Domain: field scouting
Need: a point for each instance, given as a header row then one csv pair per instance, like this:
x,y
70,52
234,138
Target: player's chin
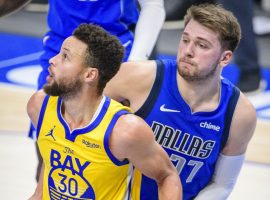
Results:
x,y
47,86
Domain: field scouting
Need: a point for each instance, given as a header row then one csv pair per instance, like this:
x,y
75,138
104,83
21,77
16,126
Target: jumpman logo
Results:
x,y
51,133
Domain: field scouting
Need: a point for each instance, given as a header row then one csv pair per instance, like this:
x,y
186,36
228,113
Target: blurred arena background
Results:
x,y
20,47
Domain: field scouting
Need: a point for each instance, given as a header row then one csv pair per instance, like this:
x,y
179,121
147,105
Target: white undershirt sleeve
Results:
x,y
150,22
225,176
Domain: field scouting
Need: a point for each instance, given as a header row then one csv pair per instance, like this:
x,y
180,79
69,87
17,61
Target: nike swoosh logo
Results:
x,y
163,109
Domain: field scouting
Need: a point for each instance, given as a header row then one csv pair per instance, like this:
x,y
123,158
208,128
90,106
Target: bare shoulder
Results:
x,y
242,127
36,99
246,107
132,128
34,105
129,133
245,113
136,68
133,82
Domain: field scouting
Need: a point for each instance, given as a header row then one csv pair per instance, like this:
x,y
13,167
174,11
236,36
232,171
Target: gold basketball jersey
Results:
x,y
79,164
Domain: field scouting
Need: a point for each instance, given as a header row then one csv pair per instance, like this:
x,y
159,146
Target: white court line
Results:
x,y
20,59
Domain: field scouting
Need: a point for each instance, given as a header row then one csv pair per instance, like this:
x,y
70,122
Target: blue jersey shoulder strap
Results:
x,y
229,114
150,102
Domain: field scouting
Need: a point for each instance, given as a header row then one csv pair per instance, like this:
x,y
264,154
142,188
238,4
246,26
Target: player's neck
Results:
x,y
200,96
79,110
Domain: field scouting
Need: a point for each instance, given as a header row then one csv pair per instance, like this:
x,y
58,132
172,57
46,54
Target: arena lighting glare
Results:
x,y
10,6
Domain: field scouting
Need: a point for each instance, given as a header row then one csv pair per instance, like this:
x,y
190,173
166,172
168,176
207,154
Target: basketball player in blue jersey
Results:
x,y
88,142
137,31
201,119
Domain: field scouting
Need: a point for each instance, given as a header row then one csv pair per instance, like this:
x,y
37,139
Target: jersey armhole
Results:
x,y
41,114
107,136
150,101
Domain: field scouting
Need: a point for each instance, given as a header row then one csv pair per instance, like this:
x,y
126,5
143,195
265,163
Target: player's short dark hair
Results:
x,y
104,51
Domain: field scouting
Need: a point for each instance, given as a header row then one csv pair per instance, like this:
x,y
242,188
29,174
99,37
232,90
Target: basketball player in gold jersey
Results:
x,y
88,142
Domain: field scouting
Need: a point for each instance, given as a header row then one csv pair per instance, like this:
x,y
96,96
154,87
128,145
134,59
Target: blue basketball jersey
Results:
x,y
118,17
115,16
193,141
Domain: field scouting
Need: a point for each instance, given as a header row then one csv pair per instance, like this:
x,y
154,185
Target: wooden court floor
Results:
x,y
18,158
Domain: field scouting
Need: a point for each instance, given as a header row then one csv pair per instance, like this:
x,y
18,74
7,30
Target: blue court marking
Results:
x,y
19,52
264,112
13,45
20,59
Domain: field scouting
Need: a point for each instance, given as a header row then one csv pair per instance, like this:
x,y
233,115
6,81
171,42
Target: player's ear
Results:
x,y
225,58
91,75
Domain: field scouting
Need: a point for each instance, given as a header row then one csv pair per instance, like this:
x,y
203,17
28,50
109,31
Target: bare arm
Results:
x,y
133,139
34,106
33,109
230,162
242,127
38,191
132,83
